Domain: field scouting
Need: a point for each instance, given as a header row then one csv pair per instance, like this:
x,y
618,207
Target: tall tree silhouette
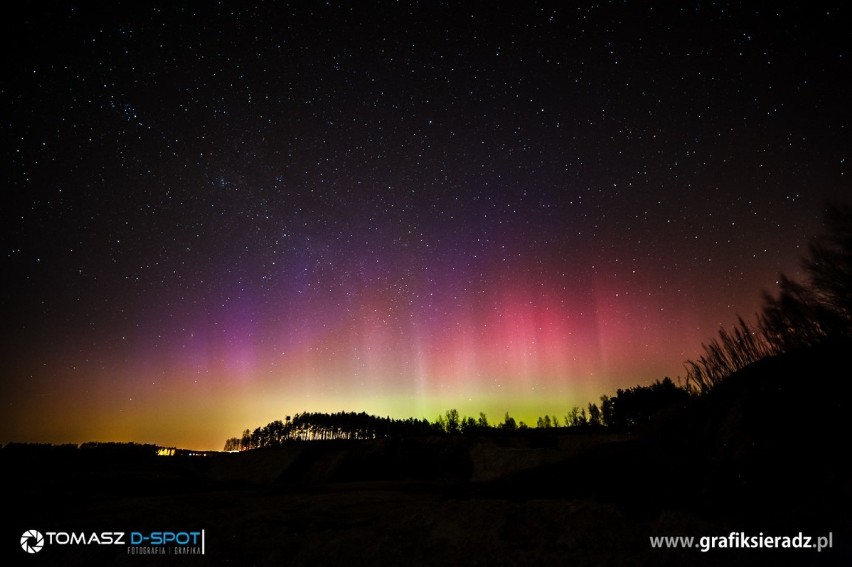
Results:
x,y
805,314
453,421
726,354
509,423
800,316
482,421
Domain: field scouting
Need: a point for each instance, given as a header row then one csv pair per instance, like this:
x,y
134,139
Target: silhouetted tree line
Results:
x,y
800,316
111,449
628,408
314,426
638,405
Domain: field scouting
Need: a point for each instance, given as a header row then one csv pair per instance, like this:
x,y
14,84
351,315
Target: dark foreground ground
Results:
x,y
557,499
761,455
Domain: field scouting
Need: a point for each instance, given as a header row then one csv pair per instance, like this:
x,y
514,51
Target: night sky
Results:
x,y
219,215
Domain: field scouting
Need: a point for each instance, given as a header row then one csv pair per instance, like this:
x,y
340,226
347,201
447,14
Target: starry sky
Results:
x,y
219,214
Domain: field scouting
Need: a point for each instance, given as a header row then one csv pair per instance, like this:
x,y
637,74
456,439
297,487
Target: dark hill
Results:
x,y
773,436
768,448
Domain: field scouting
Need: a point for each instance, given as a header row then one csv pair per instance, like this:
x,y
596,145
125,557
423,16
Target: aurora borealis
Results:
x,y
219,215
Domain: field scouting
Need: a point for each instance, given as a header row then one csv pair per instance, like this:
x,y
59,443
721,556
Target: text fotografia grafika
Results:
x,y
166,543
137,543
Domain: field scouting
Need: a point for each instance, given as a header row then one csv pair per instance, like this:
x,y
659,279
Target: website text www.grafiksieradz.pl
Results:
x,y
742,540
